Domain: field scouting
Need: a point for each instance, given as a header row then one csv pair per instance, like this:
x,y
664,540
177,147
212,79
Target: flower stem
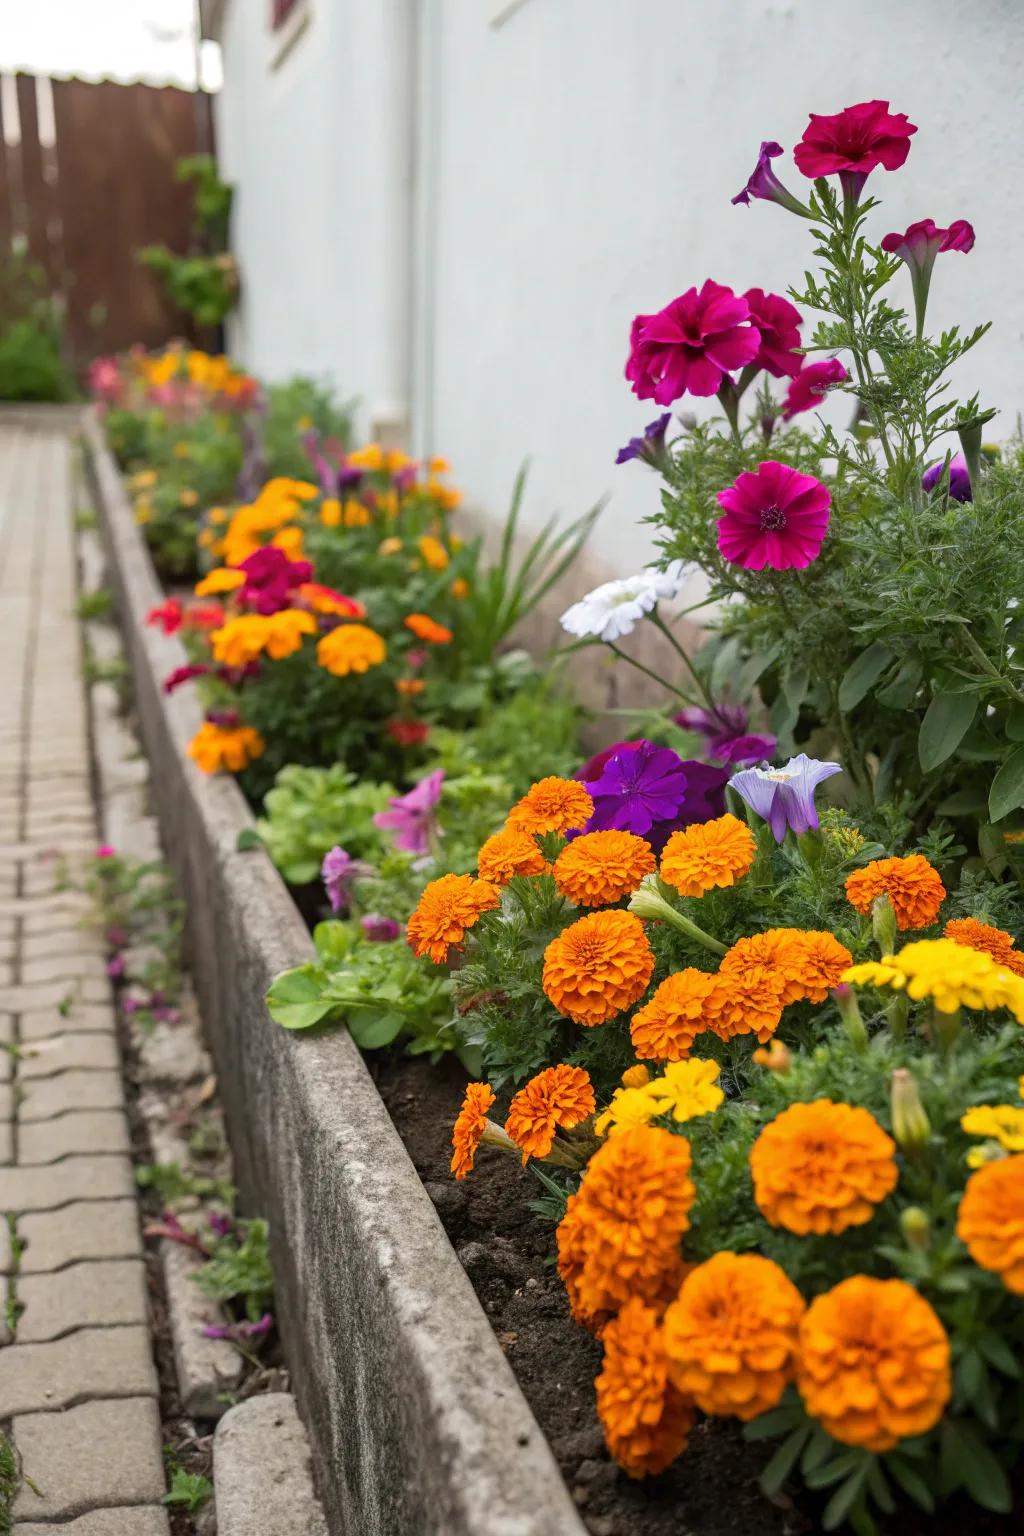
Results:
x,y
659,623
647,671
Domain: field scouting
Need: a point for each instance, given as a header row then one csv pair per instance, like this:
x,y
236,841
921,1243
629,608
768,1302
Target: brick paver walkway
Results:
x,y
78,1389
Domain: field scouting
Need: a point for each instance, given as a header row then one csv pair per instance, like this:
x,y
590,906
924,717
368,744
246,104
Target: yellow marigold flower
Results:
x,y
448,496
410,686
143,480
218,515
469,1127
999,1122
389,546
775,1057
558,1097
952,975
991,941
646,1420
731,1335
330,512
635,1077
620,1235
686,1090
285,630
990,1221
439,467
913,886
144,512
219,746
602,867
708,854
630,1106
424,628
205,538
446,910
356,514
240,640
808,962
350,648
552,805
459,587
598,966
665,1028
745,1002
371,457
219,580
289,540
433,552
873,1363
509,853
822,1167
189,498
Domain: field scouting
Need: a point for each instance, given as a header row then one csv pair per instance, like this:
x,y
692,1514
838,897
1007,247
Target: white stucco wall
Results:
x,y
574,164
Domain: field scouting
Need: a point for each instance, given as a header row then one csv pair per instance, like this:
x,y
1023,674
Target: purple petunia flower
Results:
x,y
763,183
337,872
378,929
784,797
638,787
650,447
959,478
411,817
724,728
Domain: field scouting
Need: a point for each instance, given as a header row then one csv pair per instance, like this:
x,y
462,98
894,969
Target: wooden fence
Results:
x,y
86,178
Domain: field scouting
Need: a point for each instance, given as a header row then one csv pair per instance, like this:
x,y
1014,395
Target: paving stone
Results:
x,y
206,1368
58,943
262,1471
142,1521
90,1053
6,1141
84,1131
44,913
68,965
85,1295
6,1101
91,1229
54,994
52,1185
92,1455
6,1251
92,1362
45,1097
44,1023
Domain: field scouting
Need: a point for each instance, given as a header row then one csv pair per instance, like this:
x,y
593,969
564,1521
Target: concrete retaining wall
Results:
x,y
417,1423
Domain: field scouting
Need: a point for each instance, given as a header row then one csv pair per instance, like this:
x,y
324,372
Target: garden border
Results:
x,y
417,1423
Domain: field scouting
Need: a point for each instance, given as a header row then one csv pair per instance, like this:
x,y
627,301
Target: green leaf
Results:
x,y
965,802
724,665
862,673
846,1496
373,1028
753,669
775,1422
247,840
911,1481
998,1353
296,1000
968,1462
1007,792
333,940
784,1460
900,693
1015,723
947,720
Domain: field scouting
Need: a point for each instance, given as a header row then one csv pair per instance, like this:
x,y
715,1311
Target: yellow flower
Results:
x,y
635,1077
205,538
350,648
330,512
285,631
948,973
189,498
240,640
304,423
459,587
395,459
389,546
629,1107
218,515
355,515
686,1089
143,480
999,1122
433,552
439,467
143,511
371,457
218,580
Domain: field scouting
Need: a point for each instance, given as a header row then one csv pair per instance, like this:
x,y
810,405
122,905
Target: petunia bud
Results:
x,y
969,429
883,924
845,999
636,1077
916,1228
910,1124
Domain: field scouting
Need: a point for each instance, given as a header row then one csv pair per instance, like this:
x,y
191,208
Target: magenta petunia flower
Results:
x,y
378,929
652,791
810,386
184,674
105,851
691,345
411,817
779,323
918,246
959,478
852,143
725,728
775,517
763,183
270,579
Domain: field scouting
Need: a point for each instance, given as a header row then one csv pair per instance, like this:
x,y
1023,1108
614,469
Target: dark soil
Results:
x,y
507,1253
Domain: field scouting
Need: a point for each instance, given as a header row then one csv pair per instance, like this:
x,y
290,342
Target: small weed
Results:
x,y
86,520
95,605
115,671
171,1183
238,1270
189,1490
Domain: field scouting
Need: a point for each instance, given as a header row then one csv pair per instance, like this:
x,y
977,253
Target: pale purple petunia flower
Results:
x,y
784,797
378,929
411,817
337,872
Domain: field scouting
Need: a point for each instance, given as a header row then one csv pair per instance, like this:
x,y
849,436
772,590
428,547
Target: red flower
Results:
x,y
203,616
775,517
811,384
779,324
689,346
184,675
408,733
852,143
168,616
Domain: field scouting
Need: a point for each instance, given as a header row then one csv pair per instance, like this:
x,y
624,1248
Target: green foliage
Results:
x,y
293,408
171,1183
205,287
31,361
97,605
190,1491
237,1275
9,1482
213,197
310,810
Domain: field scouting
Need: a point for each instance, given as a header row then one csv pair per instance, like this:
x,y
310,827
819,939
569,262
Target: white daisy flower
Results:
x,y
613,609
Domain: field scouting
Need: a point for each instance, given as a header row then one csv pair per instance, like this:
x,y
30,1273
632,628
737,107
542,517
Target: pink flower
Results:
x,y
811,384
105,851
184,675
411,817
779,323
690,346
775,517
852,143
918,246
763,183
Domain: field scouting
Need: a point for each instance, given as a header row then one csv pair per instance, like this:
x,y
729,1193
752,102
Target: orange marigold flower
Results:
x,y
873,1363
808,962
326,600
620,1234
708,854
602,867
552,805
822,1167
219,580
598,966
240,640
410,686
990,1221
912,885
646,1420
350,648
424,628
991,941
731,1334
665,1028
774,1057
509,853
447,908
225,746
746,1002
469,1127
285,630
557,1097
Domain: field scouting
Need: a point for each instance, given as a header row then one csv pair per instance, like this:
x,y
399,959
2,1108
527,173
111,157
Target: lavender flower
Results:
x,y
784,797
411,817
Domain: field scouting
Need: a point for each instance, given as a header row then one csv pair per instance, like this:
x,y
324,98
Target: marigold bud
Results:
x,y
910,1124
916,1228
636,1077
883,924
849,1011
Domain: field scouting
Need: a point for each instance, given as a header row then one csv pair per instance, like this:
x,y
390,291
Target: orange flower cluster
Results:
x,y
873,1363
646,1420
232,747
350,648
990,1221
665,1028
469,1127
913,886
620,1234
552,805
427,629
557,1097
508,853
445,911
600,868
598,966
708,854
822,1167
990,941
731,1334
